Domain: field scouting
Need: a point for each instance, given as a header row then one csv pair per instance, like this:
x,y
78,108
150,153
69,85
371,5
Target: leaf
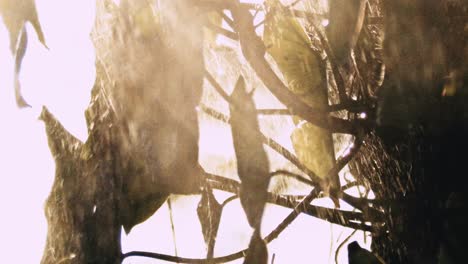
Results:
x,y
15,14
346,20
252,161
209,213
257,252
358,255
290,47
135,211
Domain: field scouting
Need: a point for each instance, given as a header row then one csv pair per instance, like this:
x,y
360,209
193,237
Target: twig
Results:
x,y
340,83
336,216
298,177
302,207
227,19
217,87
169,205
220,30
342,244
228,200
293,215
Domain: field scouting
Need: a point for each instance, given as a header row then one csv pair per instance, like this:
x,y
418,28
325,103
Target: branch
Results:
x,y
217,87
298,177
253,49
302,207
289,201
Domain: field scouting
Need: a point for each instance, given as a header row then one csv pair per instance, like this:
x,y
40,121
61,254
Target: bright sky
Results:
x,y
61,78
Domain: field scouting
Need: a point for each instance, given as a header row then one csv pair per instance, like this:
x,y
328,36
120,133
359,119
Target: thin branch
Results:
x,y
228,200
295,176
293,215
342,244
341,162
349,185
349,105
227,19
336,216
302,207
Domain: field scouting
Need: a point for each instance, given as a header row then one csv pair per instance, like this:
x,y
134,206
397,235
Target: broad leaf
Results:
x,y
257,252
252,161
290,47
209,213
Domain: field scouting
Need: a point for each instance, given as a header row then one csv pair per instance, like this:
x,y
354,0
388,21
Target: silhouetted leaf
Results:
x,y
140,210
290,47
15,14
209,213
257,252
346,20
252,161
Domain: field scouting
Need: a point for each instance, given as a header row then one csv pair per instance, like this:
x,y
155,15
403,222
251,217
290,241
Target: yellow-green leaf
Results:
x,y
289,45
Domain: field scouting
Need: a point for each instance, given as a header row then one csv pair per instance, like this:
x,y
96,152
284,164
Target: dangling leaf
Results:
x,y
257,252
252,161
15,14
346,20
209,213
20,51
290,47
137,211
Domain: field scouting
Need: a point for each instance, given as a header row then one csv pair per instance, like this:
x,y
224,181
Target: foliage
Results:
x,y
303,70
